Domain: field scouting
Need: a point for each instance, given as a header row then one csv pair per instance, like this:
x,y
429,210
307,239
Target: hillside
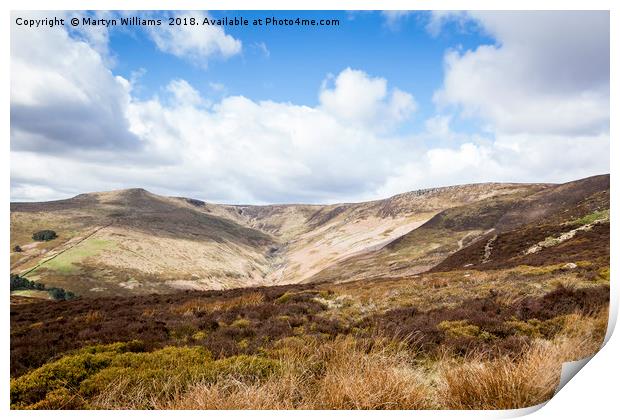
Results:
x,y
564,224
489,232
134,242
465,297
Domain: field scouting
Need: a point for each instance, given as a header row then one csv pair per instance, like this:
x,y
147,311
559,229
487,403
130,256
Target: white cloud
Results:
x,y
508,158
217,87
438,18
241,150
360,99
262,48
77,127
439,125
550,79
197,44
98,36
63,96
394,18
184,94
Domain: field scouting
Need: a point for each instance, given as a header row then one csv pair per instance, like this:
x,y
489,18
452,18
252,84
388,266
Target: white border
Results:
x,y
593,394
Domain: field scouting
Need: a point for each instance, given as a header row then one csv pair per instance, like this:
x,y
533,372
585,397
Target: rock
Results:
x,y
569,266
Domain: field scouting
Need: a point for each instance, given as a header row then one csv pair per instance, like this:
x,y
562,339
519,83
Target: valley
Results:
x,y
135,242
464,297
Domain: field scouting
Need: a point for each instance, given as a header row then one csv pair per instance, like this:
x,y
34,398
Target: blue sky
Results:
x,y
299,58
382,104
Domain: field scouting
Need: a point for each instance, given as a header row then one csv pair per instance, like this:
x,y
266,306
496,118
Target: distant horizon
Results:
x,y
307,204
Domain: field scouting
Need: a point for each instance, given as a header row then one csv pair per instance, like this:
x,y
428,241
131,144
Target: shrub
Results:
x,y
284,298
564,300
195,202
59,293
19,283
17,248
183,331
200,335
93,368
49,379
44,235
462,328
603,275
535,328
241,323
312,371
529,328
99,372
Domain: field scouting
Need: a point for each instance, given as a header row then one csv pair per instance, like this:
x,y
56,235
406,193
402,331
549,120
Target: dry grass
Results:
x,y
195,306
313,376
93,317
125,395
449,289
330,375
149,313
503,383
349,374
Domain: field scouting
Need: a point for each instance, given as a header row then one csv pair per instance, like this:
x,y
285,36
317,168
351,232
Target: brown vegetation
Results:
x,y
487,328
245,321
307,372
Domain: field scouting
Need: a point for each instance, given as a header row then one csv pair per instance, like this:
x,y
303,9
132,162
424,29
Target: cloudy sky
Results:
x,y
382,104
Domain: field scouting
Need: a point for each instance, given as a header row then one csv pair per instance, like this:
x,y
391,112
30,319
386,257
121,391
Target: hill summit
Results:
x,y
135,242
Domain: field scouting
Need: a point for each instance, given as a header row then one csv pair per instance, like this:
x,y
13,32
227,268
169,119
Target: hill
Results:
x,y
489,232
465,297
130,242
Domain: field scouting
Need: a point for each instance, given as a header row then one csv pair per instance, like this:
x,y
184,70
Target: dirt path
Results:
x,y
488,248
462,240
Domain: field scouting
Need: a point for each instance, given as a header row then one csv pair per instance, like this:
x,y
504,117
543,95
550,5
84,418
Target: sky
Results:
x,y
383,103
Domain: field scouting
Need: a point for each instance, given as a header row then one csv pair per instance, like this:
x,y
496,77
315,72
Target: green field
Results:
x,y
65,263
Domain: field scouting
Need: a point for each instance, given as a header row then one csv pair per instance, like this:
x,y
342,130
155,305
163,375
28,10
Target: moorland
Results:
x,y
462,297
